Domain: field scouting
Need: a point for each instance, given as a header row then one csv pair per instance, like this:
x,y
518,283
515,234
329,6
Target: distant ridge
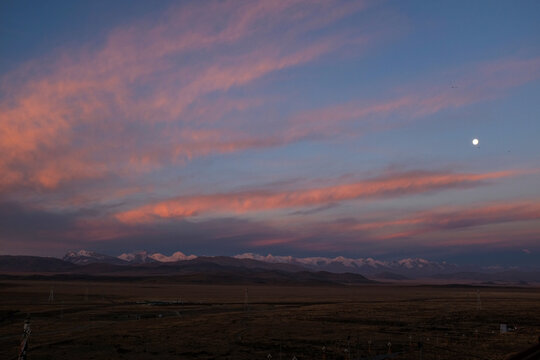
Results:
x,y
85,257
142,257
12,263
503,276
252,267
397,270
215,270
389,276
408,267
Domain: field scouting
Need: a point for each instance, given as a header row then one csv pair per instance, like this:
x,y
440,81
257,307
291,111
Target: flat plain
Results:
x,y
160,319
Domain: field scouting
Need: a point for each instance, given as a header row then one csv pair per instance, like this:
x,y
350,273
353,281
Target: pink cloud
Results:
x,y
499,225
63,104
242,202
95,113
441,220
273,241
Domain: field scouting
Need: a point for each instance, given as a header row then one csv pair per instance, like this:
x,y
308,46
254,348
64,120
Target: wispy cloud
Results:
x,y
479,82
394,185
53,120
93,113
497,224
447,219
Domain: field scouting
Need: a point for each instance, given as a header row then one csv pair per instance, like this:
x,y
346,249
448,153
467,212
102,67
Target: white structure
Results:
x,y
24,340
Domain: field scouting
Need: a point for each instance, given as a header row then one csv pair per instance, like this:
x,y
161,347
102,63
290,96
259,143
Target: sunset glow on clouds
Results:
x,y
243,202
292,127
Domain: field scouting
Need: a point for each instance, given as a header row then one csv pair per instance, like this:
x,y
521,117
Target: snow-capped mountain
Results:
x,y
139,257
409,267
84,257
143,257
177,256
368,266
422,264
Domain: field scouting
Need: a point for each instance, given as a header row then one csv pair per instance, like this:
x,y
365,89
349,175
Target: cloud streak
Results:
x,y
450,219
140,85
483,81
414,182
439,228
52,121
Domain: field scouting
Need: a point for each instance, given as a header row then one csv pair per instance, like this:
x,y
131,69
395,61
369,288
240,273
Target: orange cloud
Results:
x,y
133,104
273,241
449,219
241,202
496,224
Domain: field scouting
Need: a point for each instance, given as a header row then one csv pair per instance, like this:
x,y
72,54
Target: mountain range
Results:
x,y
409,267
208,270
249,267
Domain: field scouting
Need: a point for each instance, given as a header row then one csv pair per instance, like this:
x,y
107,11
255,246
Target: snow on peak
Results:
x,y
336,264
84,257
146,257
85,253
361,265
268,258
374,263
313,261
177,256
139,256
411,263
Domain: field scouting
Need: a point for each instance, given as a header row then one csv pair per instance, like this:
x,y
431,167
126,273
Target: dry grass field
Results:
x,y
160,320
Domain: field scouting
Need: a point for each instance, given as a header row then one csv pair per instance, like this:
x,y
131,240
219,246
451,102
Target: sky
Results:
x,y
304,128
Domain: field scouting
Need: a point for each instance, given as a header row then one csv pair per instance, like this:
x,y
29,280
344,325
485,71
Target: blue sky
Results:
x,y
292,128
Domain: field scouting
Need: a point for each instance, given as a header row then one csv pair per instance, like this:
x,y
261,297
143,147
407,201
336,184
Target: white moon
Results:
x,y
475,142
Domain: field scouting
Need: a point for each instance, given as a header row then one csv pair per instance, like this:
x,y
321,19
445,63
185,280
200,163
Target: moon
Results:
x,y
475,142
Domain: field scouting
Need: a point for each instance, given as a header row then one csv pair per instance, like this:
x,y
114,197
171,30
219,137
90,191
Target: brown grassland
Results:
x,y
164,320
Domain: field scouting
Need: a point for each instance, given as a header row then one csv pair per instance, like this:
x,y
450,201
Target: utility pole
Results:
x,y
24,339
478,301
246,302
